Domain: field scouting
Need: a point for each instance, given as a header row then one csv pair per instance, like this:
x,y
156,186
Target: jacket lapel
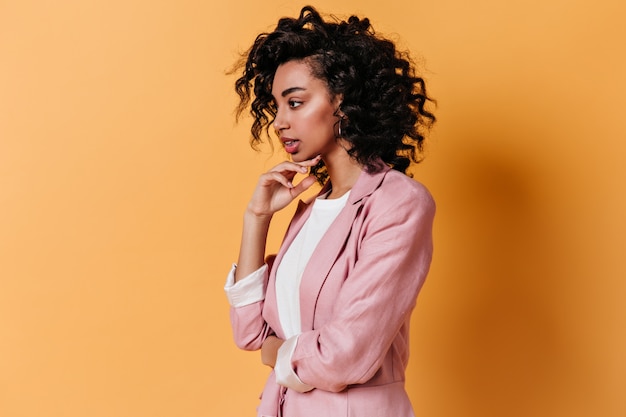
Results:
x,y
329,247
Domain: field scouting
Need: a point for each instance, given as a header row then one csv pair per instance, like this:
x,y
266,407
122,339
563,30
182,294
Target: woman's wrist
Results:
x,y
251,215
253,239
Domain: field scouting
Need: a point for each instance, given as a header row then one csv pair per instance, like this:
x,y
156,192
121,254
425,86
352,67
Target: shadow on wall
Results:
x,y
498,346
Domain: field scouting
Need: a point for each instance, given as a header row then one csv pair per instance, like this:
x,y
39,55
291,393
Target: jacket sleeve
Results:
x,y
249,327
247,322
377,296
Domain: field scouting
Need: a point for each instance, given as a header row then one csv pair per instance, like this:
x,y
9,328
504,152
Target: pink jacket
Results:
x,y
356,298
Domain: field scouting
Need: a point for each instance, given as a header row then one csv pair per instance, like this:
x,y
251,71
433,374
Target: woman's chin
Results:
x,y
299,157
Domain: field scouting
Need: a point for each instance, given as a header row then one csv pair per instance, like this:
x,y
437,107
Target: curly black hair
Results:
x,y
383,98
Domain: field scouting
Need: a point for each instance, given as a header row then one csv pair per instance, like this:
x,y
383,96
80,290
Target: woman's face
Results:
x,y
305,116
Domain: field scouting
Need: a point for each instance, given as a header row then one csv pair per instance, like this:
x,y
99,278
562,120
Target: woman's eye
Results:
x,y
294,103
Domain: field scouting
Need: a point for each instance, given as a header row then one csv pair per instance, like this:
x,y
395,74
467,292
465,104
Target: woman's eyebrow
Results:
x,y
291,90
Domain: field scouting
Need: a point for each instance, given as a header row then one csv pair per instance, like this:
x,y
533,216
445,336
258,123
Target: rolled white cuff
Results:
x,y
248,290
285,374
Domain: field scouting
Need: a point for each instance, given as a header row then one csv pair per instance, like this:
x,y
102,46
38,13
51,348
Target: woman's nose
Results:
x,y
280,121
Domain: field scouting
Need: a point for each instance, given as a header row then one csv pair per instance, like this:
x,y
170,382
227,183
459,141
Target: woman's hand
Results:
x,y
275,189
269,351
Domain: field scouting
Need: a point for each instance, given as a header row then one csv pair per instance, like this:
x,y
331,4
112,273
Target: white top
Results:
x,y
251,289
293,263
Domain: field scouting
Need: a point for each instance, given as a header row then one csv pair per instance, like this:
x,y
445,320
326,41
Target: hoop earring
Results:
x,y
339,129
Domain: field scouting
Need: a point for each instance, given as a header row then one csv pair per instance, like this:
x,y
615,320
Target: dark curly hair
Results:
x,y
383,98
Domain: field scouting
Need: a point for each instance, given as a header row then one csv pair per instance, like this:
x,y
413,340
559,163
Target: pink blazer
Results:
x,y
356,298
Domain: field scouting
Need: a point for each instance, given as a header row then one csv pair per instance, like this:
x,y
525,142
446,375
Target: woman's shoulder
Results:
x,y
398,200
399,188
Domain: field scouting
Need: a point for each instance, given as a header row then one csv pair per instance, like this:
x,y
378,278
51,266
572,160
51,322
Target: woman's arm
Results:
x,y
252,246
273,192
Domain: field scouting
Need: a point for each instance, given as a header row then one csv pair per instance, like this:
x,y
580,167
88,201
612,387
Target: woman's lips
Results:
x,y
291,145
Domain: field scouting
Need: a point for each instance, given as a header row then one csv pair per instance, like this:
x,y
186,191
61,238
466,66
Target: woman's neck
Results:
x,y
343,171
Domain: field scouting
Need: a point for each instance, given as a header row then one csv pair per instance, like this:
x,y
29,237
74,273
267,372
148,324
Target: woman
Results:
x,y
331,311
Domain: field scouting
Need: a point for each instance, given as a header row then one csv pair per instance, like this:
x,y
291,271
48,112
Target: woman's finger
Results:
x,y
310,162
303,185
288,166
300,167
275,176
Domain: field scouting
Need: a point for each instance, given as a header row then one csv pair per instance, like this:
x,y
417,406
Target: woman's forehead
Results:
x,y
292,75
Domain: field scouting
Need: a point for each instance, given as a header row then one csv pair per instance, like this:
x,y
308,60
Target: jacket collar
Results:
x,y
365,185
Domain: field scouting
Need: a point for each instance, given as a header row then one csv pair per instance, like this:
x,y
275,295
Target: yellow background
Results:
x,y
123,179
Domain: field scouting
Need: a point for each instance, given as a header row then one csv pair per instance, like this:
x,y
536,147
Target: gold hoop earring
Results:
x,y
339,129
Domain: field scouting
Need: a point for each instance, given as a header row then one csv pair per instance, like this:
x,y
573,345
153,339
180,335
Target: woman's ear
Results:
x,y
337,101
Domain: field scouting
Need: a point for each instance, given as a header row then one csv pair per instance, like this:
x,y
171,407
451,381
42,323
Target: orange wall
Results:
x,y
123,180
